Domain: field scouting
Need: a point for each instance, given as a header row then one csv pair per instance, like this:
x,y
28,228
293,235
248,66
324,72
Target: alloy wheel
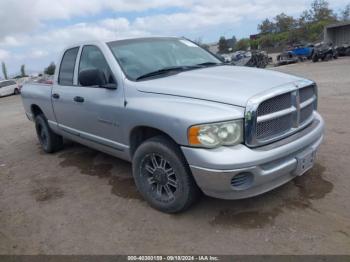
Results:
x,y
159,177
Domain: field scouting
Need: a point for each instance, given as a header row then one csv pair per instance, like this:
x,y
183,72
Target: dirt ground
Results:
x,y
80,201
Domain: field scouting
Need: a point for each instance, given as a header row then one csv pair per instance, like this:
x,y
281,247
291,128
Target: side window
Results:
x,y
66,73
7,83
92,58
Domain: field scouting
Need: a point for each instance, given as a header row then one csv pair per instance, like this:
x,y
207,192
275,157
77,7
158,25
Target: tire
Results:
x,y
49,141
328,57
16,91
315,58
163,176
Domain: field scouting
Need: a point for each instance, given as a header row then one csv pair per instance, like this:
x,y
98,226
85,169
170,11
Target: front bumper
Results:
x,y
268,166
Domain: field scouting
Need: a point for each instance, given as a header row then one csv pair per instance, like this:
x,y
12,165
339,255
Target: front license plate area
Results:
x,y
305,161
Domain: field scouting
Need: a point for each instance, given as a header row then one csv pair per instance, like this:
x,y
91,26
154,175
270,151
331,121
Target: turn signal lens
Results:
x,y
193,135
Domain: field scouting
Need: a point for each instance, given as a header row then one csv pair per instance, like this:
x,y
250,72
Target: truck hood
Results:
x,y
225,84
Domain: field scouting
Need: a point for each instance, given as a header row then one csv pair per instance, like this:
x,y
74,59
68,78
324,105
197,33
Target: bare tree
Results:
x,y
320,11
4,70
267,26
284,23
23,71
345,14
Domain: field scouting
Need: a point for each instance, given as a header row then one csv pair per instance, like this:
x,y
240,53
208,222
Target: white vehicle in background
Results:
x,y
8,87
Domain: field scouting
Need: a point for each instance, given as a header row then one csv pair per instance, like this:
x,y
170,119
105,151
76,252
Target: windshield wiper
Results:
x,y
177,69
209,64
165,70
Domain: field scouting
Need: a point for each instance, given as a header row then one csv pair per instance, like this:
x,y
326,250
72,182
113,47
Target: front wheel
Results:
x,y
49,141
16,91
163,177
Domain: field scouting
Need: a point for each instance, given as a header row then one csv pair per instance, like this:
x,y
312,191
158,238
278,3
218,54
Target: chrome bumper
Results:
x,y
269,166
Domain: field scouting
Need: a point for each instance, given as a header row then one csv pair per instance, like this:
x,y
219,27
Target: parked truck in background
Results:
x,y
186,121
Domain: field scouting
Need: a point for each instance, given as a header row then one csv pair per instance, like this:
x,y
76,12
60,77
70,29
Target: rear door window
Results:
x,y
66,73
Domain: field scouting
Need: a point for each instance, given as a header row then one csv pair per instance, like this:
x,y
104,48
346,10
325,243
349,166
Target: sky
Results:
x,y
34,32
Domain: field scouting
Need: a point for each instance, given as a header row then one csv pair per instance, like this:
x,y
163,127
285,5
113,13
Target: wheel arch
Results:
x,y
139,134
36,110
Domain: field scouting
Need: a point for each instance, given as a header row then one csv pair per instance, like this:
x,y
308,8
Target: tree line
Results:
x,y
285,30
50,70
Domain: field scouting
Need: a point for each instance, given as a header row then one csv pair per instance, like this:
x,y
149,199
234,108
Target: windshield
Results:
x,y
139,57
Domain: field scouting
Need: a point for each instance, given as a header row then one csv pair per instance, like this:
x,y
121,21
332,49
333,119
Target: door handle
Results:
x,y
78,99
55,96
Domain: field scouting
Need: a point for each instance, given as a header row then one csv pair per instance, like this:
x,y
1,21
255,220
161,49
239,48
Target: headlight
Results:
x,y
214,135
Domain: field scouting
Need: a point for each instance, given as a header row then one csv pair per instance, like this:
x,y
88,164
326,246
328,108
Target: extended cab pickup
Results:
x,y
186,121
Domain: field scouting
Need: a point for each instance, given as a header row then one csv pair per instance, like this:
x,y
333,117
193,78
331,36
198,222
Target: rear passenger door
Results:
x,y
64,91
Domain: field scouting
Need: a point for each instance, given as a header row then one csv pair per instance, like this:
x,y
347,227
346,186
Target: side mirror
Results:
x,y
94,77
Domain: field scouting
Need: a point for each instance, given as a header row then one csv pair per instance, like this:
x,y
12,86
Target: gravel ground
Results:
x,y
80,201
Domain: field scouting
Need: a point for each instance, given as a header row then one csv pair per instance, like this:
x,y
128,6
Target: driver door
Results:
x,y
94,112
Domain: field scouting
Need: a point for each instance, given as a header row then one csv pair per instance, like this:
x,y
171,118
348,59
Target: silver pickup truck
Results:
x,y
186,121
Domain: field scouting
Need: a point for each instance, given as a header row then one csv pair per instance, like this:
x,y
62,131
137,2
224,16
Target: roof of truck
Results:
x,y
94,41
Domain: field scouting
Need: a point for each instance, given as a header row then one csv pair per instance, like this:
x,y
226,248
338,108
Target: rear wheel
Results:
x,y
49,141
16,91
163,177
314,58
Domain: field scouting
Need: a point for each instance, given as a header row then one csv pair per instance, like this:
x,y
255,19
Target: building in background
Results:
x,y
338,34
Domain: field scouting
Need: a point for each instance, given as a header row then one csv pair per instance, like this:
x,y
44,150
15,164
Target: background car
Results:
x,y
325,52
303,51
286,58
8,87
343,50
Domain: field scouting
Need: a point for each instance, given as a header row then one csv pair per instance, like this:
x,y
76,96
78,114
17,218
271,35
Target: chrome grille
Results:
x,y
306,93
277,103
272,127
277,117
306,112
